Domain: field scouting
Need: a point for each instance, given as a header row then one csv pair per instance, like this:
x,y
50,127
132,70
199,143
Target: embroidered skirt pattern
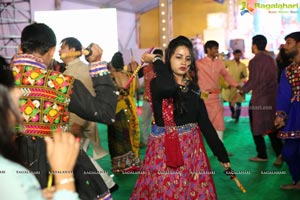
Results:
x,y
193,180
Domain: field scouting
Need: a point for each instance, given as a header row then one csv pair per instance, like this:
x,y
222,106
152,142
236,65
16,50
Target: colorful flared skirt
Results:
x,y
193,180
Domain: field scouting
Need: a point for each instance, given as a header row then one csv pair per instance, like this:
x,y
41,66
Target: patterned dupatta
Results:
x,y
173,153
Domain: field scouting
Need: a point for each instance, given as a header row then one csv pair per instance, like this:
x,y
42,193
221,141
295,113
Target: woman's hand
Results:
x,y
147,57
225,165
62,151
48,193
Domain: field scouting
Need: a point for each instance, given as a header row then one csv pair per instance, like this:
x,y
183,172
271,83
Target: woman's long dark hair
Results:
x,y
8,148
179,103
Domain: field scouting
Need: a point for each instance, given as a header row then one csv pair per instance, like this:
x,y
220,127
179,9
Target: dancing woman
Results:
x,y
176,163
124,133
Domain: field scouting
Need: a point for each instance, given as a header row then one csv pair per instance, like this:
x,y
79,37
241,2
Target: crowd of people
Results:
x,y
49,113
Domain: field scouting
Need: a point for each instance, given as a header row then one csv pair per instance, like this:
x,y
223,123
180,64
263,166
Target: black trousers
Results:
x,y
235,111
33,154
260,143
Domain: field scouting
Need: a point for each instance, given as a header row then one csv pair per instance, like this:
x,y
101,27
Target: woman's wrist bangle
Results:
x,y
156,58
66,180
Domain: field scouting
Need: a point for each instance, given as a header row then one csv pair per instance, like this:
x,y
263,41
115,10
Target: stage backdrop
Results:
x,y
91,25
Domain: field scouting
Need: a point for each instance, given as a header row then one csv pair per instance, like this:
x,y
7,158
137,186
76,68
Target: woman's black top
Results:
x,y
164,86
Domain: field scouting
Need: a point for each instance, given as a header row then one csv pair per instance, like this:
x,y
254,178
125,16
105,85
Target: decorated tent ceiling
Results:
x,y
135,6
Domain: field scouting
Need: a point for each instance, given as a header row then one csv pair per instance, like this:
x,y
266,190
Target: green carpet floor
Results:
x,y
261,180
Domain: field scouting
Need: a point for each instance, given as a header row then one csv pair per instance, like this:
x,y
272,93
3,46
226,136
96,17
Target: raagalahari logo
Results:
x,y
270,7
246,8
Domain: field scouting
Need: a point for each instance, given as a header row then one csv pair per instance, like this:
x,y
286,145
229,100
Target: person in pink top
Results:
x,y
209,71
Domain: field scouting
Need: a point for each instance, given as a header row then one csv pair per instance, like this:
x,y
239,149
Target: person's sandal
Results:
x,y
258,159
279,161
290,187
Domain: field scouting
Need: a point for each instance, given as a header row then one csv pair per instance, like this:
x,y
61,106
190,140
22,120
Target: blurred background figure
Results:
x,y
238,71
148,74
209,71
263,84
124,133
198,47
70,53
282,61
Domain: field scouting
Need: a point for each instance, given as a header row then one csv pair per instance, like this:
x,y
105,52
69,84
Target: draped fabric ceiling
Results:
x,y
134,6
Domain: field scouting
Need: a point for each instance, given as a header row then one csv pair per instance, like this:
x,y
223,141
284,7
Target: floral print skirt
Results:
x,y
193,180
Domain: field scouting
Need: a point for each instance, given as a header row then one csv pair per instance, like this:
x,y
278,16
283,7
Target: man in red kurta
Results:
x,y
263,84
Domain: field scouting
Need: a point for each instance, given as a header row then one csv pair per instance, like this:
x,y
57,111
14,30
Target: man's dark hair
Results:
x,y
72,43
210,44
294,35
179,99
237,51
158,51
176,42
37,37
117,61
260,41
